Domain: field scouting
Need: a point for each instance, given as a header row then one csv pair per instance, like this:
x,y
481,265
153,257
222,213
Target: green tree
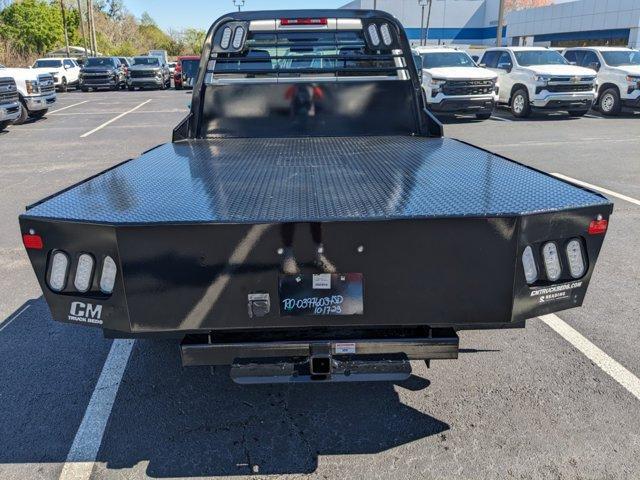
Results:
x,y
193,40
32,26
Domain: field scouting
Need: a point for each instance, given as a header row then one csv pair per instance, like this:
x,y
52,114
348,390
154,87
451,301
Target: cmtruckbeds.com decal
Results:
x,y
556,292
85,313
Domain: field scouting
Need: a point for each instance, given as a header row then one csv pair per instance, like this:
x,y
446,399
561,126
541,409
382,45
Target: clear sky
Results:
x,y
181,14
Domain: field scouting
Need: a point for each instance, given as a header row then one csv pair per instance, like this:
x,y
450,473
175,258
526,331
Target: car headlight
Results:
x,y
633,80
437,83
32,86
542,79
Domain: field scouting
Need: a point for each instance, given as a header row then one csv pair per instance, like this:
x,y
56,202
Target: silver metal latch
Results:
x,y
259,304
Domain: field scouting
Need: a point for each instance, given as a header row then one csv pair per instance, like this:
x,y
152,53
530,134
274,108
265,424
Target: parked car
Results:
x,y
65,71
186,71
453,83
540,78
36,92
148,72
10,107
618,75
102,72
336,242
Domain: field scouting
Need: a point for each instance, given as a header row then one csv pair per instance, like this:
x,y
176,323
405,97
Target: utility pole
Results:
x,y
84,38
500,24
92,29
64,27
422,3
375,4
426,33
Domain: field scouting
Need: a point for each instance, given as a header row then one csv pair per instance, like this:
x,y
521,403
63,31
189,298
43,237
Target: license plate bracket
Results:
x,y
325,294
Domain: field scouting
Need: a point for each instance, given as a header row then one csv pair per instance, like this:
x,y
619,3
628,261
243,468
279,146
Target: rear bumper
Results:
x,y
420,344
40,102
9,111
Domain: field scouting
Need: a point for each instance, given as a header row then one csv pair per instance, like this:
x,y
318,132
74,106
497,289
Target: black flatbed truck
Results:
x,y
309,221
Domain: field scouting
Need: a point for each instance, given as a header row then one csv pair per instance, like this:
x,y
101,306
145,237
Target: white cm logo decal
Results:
x,y
86,310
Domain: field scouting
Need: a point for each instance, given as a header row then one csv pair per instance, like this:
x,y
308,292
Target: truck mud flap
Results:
x,y
363,359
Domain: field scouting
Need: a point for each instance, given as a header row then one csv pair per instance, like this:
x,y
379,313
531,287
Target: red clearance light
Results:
x,y
598,227
303,21
32,242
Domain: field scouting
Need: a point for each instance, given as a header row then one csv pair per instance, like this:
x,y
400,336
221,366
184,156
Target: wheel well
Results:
x,y
515,88
605,87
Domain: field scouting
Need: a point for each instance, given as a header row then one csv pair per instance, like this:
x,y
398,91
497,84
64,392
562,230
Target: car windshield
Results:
x,y
99,62
146,61
47,64
622,57
190,67
527,58
446,59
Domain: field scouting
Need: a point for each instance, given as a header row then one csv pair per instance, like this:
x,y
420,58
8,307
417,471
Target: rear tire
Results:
x,y
4,125
610,104
84,89
24,114
131,89
64,87
38,114
520,107
484,115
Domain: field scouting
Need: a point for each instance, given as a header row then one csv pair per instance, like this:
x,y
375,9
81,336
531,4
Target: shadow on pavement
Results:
x,y
47,375
192,422
183,422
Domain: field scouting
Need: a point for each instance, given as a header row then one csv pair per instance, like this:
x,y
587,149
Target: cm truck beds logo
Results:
x,y
85,313
556,292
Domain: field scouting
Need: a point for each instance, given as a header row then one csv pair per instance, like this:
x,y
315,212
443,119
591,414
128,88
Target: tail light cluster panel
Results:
x,y
80,273
554,261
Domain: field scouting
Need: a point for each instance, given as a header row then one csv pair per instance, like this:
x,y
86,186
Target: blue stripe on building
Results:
x,y
482,33
615,34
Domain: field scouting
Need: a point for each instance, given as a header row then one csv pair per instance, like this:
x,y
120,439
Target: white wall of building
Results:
x,y
565,20
452,21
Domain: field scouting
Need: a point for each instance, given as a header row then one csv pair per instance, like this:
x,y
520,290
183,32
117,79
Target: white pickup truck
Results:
x,y
540,78
454,84
9,102
618,75
36,92
65,71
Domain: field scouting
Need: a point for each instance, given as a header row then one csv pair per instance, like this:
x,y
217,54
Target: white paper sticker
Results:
x,y
345,348
322,281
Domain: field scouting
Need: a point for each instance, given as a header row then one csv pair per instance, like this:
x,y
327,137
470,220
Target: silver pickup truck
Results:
x,y
9,102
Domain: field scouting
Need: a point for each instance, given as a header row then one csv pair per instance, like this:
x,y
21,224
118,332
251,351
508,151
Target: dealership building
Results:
x,y
474,22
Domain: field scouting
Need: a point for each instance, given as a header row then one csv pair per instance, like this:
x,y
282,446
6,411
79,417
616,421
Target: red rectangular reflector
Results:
x,y
303,21
32,242
598,227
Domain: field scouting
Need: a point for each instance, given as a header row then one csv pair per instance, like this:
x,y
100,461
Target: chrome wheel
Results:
x,y
518,104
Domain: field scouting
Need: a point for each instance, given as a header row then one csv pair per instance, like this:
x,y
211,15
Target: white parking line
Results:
x,y
68,106
84,450
612,368
501,119
599,189
114,119
6,323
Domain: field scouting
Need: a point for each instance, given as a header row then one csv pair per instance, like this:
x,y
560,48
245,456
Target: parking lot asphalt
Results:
x,y
517,404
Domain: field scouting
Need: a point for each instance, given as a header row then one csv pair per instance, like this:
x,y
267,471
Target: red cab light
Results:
x,y
32,242
598,227
303,21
